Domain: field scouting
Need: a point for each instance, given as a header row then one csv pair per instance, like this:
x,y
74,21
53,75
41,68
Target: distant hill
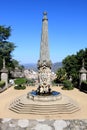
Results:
x,y
33,66
56,66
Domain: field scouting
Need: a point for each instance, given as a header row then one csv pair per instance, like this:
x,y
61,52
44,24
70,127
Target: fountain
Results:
x,y
44,96
44,100
44,92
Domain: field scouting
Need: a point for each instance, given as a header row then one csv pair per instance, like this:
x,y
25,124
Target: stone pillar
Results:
x,y
44,63
83,77
44,47
83,73
4,74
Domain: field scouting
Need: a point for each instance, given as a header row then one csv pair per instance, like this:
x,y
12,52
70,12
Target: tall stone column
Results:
x,y
4,74
83,73
44,47
44,63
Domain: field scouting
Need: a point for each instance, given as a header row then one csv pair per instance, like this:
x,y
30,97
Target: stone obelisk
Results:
x,y
44,63
44,48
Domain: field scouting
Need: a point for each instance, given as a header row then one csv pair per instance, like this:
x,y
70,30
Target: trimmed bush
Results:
x,y
2,84
67,85
20,81
20,87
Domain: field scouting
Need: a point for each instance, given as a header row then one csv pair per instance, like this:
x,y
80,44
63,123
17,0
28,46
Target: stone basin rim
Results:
x,y
44,98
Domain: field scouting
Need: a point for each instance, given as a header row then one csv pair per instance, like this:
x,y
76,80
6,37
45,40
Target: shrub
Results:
x,y
31,82
19,87
2,84
83,86
67,85
20,81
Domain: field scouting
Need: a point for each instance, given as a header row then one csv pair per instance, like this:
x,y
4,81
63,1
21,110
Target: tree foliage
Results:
x,y
61,75
83,86
2,84
72,64
5,32
67,85
71,67
6,47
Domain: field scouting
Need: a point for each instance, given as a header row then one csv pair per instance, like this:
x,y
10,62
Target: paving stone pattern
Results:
x,y
42,124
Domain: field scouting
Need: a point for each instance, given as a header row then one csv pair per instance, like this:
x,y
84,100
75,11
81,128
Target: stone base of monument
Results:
x,y
44,97
44,106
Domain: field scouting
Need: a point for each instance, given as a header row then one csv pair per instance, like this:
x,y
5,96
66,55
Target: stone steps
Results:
x,y
44,112
38,109
45,107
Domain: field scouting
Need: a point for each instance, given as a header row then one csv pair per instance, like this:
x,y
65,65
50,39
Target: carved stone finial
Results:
x,y
83,70
45,16
44,13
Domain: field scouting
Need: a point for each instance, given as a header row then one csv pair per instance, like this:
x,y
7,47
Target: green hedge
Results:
x,y
67,85
2,84
20,81
20,87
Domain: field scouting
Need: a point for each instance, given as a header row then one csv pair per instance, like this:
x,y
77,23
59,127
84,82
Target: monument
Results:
x,y
44,68
83,73
4,74
83,77
43,100
44,63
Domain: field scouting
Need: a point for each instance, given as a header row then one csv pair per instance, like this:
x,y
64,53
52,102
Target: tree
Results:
x,y
61,75
6,47
72,64
15,63
0,62
85,58
5,32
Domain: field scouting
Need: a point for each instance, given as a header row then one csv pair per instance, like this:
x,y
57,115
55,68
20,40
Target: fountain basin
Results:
x,y
44,97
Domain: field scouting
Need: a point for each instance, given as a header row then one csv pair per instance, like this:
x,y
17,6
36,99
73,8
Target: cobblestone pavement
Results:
x,y
42,124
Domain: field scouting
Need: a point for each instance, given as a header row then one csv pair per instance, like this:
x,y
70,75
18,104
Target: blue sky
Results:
x,y
67,25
